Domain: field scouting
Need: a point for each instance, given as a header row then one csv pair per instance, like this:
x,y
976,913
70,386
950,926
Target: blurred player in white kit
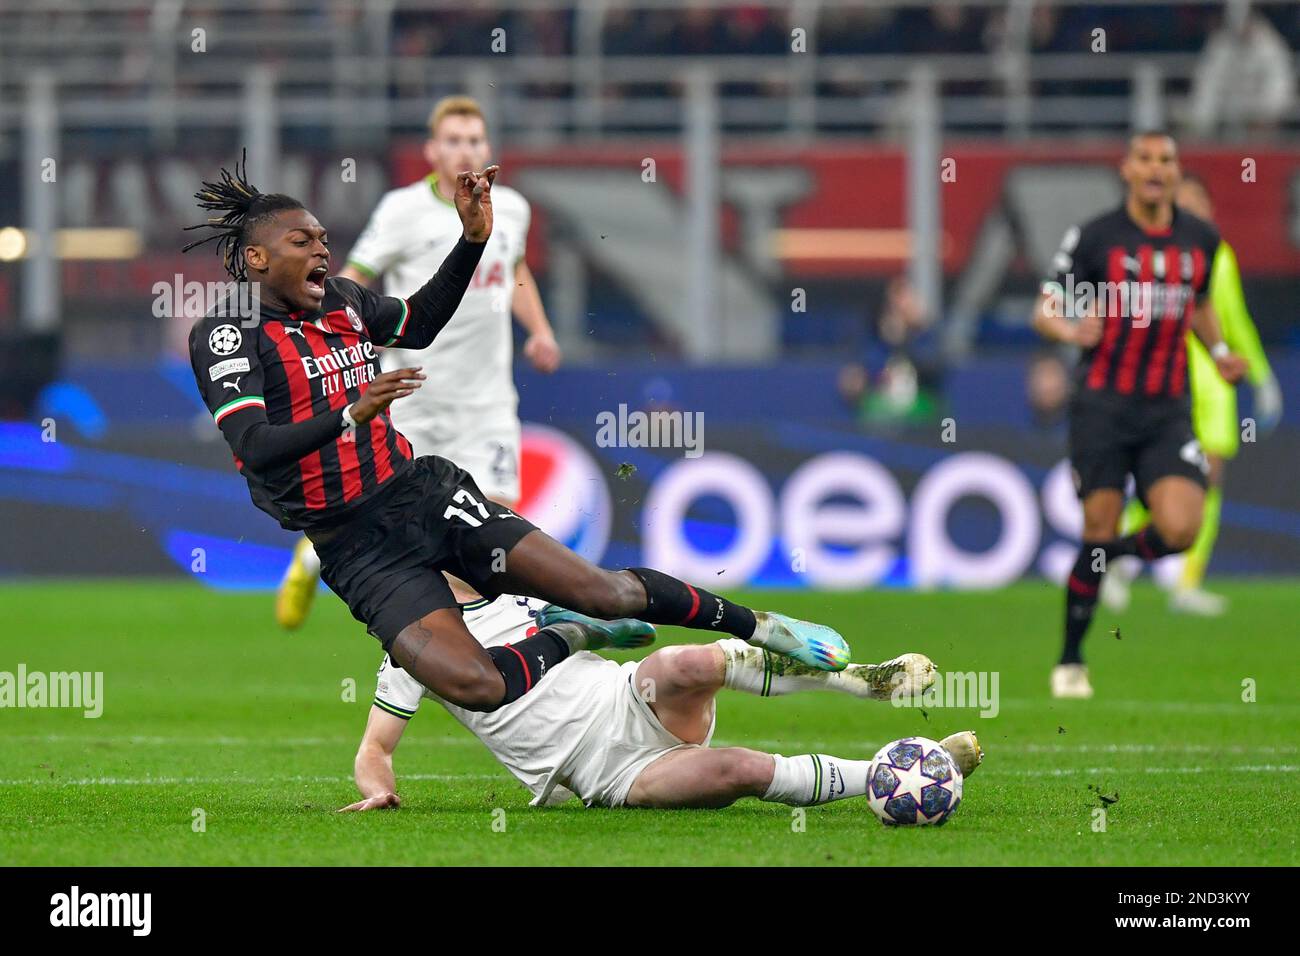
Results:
x,y
469,411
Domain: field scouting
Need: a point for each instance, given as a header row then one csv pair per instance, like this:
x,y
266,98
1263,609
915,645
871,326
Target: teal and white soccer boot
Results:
x,y
813,644
623,634
965,750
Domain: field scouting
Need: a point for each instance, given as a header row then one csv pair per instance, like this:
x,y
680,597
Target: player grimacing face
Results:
x,y
290,258
1151,170
459,143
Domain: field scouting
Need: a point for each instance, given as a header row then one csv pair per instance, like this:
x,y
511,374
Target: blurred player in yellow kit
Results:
x,y
1214,417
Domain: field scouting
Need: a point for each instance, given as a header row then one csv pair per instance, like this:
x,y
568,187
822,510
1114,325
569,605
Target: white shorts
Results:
x,y
622,737
484,443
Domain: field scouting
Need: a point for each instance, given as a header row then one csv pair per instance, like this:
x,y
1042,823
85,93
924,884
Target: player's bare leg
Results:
x,y
680,684
439,651
1176,506
539,566
703,778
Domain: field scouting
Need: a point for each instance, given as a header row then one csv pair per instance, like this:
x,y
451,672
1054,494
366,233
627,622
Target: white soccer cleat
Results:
x,y
1070,682
908,675
1197,602
965,750
1115,591
1117,583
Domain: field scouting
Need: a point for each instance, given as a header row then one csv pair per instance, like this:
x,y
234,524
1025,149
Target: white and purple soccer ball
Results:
x,y
913,782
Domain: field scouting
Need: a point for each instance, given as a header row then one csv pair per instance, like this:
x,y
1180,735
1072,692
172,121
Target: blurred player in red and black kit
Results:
x,y
1127,287
298,395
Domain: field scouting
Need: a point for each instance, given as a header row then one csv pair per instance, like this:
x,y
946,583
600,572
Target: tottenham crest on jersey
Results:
x,y
225,340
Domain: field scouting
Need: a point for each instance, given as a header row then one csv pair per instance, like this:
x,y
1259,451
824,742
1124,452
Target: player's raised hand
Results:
x,y
384,390
382,801
1087,331
474,202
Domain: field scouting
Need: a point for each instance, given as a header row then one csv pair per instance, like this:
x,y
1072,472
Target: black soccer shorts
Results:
x,y
1112,437
387,564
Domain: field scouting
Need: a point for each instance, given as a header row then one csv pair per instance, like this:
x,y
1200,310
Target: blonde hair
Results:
x,y
454,106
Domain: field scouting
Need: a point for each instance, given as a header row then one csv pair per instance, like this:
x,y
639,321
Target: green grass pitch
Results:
x,y
208,707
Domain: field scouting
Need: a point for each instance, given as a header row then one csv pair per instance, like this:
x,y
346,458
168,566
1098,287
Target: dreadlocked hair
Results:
x,y
242,208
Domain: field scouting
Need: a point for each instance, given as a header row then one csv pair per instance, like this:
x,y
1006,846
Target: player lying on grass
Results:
x,y
297,393
637,734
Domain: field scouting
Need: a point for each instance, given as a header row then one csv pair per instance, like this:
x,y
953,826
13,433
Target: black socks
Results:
x,y
522,665
1084,583
670,601
1081,590
1145,544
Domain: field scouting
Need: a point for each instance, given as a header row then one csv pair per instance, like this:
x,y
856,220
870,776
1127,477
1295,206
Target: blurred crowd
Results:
x,y
1244,52
946,26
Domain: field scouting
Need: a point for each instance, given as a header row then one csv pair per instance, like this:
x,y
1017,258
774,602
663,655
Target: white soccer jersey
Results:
x,y
535,734
585,729
469,365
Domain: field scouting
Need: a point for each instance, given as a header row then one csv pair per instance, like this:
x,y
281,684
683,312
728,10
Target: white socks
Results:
x,y
810,779
754,670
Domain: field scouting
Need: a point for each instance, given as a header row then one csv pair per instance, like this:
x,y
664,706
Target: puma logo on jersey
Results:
x,y
234,384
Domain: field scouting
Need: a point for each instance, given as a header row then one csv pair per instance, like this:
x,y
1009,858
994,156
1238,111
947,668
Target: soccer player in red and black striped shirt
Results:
x,y
298,395
1127,287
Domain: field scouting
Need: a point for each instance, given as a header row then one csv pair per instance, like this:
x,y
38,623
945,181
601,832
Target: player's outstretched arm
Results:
x,y
1206,326
373,767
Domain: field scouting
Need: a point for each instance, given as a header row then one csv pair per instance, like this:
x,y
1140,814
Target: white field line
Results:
x,y
236,778
992,744
155,740
787,743
206,781
1144,706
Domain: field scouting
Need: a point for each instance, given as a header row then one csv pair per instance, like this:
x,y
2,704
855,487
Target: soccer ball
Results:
x,y
913,782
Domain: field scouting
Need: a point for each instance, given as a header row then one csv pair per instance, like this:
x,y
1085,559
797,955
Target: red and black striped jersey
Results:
x,y
286,368
277,384
1144,285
